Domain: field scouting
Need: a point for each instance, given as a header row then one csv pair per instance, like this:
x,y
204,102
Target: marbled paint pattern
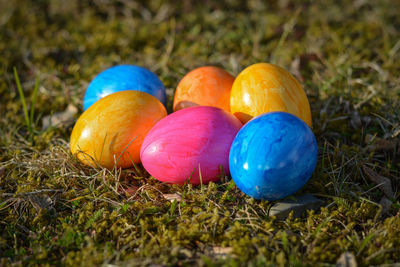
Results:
x,y
118,121
262,88
273,156
121,78
204,86
189,142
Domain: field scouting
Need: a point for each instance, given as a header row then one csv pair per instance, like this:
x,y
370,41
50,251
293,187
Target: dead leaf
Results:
x,y
222,250
60,118
384,183
131,190
295,69
386,204
366,120
355,120
379,144
172,197
186,252
347,259
308,57
41,202
301,62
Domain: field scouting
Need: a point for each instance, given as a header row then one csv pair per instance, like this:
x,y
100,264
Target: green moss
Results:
x,y
56,211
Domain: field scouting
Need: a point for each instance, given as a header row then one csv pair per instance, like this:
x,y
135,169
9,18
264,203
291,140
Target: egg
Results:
x,y
273,156
121,78
111,131
190,145
204,86
262,88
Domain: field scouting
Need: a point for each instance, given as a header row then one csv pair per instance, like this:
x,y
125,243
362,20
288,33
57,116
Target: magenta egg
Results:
x,y
190,145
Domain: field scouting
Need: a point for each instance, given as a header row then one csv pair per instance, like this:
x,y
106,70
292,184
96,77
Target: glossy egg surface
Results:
x,y
273,156
204,86
121,78
262,88
112,129
191,145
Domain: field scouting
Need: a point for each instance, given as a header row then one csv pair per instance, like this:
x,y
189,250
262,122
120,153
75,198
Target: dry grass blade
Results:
x,y
173,197
222,251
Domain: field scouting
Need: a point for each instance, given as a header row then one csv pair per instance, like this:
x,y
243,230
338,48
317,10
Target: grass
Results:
x,y
28,115
55,211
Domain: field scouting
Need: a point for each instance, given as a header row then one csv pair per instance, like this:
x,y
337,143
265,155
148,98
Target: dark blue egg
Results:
x,y
273,156
121,78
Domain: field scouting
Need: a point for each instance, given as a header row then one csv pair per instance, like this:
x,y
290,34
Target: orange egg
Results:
x,y
262,88
204,86
111,131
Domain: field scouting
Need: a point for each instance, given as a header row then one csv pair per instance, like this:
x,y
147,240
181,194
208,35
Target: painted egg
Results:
x,y
273,156
190,145
262,88
121,78
111,131
204,86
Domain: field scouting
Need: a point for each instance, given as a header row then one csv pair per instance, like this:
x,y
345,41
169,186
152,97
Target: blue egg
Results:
x,y
273,156
121,78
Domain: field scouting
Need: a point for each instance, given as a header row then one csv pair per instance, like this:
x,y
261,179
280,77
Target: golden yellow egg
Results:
x,y
111,131
264,87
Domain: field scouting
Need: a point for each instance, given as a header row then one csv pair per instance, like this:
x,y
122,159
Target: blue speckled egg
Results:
x,y
121,78
273,156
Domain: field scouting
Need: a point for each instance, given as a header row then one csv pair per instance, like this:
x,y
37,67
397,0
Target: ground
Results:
x,y
55,211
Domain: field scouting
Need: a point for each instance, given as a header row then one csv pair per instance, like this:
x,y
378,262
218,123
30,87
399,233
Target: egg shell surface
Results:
x,y
121,78
273,156
204,86
112,129
264,87
188,143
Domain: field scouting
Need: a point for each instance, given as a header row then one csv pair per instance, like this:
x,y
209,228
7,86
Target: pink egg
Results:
x,y
188,143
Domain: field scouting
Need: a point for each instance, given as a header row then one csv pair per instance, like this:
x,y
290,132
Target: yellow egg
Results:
x,y
110,132
264,87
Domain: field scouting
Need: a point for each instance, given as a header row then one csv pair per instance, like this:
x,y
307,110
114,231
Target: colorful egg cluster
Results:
x,y
272,156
